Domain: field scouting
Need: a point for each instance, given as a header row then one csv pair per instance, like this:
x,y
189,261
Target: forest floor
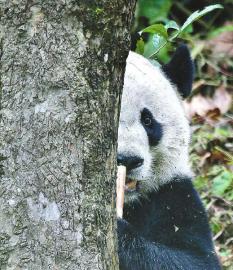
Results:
x,y
210,110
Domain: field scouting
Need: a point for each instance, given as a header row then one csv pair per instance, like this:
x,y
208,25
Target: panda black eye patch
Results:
x,y
153,128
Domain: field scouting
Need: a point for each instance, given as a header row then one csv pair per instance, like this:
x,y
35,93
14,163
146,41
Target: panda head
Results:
x,y
153,134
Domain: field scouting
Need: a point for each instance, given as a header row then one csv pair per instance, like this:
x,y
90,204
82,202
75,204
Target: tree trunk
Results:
x,y
62,65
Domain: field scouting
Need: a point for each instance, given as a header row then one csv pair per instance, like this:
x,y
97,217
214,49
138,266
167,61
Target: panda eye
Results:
x,y
152,127
147,118
147,121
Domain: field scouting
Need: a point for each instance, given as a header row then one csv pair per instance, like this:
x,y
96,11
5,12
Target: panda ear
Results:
x,y
180,70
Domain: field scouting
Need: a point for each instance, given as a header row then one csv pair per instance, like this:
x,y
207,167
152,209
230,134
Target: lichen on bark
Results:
x,y
62,71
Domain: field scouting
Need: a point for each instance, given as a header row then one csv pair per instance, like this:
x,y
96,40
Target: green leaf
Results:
x,y
200,182
225,253
156,29
149,47
140,46
188,29
222,182
158,41
215,170
198,14
216,225
223,132
172,25
229,195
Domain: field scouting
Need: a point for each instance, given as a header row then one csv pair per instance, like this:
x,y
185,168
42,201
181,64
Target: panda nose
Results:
x,y
130,162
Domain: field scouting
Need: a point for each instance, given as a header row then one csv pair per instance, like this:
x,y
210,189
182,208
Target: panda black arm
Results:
x,y
137,253
151,240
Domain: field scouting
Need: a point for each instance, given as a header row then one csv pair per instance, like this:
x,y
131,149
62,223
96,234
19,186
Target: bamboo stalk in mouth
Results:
x,y
121,176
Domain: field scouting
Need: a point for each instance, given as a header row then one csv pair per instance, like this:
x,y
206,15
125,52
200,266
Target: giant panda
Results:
x,y
164,226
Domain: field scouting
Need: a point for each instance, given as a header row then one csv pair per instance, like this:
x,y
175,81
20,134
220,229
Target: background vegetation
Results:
x,y
210,107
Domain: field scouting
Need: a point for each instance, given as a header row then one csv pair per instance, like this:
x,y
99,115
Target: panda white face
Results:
x,y
153,134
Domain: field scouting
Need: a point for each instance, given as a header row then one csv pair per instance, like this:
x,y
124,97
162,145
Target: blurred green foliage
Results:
x,y
154,11
160,25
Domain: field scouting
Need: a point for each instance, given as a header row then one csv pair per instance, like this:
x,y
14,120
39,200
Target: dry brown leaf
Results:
x,y
200,105
204,158
214,114
222,44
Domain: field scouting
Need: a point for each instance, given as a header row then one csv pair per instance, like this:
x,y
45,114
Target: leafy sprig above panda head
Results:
x,y
164,34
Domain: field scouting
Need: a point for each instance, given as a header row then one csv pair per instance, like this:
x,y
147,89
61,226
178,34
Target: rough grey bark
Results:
x,y
62,65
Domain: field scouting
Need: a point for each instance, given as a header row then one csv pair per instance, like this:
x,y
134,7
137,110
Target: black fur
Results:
x,y
180,70
167,231
154,129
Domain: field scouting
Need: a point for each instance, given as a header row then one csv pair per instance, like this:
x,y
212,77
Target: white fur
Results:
x,y
146,86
